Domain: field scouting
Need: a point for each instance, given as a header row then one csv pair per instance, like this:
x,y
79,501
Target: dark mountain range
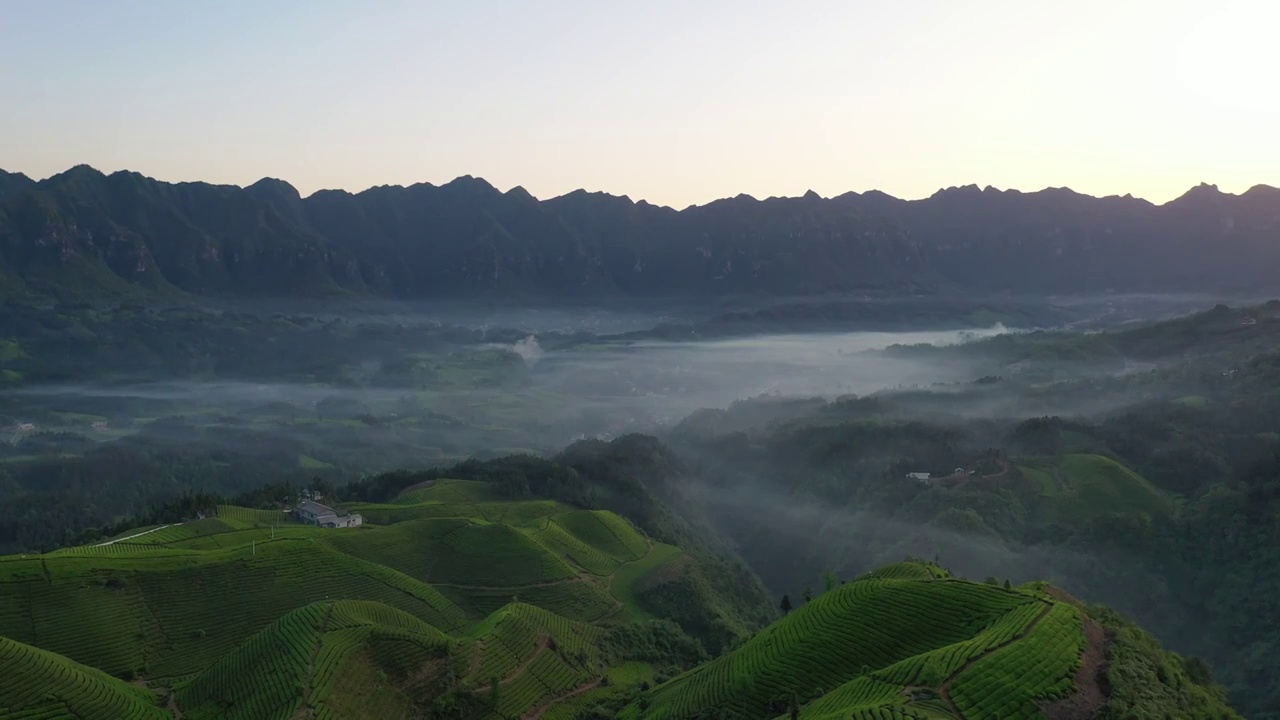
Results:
x,y
83,233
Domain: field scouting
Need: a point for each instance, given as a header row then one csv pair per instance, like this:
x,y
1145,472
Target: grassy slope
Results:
x,y
187,604
39,684
855,650
298,660
1078,487
244,616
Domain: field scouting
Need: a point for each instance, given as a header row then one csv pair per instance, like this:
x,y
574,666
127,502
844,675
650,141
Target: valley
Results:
x,y
639,361
618,516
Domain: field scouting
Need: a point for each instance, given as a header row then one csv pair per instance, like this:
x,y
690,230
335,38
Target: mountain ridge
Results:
x,y
85,233
520,189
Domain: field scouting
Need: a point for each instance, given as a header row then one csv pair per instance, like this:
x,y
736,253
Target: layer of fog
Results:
x,y
663,382
600,389
791,540
531,318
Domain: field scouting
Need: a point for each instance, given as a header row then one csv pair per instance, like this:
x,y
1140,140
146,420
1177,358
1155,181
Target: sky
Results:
x,y
678,103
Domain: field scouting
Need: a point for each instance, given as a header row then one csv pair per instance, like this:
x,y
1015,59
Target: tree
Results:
x,y
991,580
785,605
793,708
1198,670
1008,585
830,580
807,594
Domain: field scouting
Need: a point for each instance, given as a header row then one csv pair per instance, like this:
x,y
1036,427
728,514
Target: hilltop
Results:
x,y
82,234
505,589
909,641
453,603
443,594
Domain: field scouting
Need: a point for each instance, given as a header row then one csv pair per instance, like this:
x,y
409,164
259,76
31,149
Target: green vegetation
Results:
x,y
40,684
558,612
1148,682
1077,488
369,622
299,660
858,629
1138,468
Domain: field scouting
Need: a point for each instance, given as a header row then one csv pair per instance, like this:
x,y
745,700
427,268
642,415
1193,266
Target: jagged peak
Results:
x,y
1203,191
469,182
270,184
957,191
77,171
581,194
518,192
739,199
331,192
811,195
1051,191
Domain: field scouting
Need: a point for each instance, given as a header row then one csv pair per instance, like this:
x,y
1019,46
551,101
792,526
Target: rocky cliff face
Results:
x,y
82,232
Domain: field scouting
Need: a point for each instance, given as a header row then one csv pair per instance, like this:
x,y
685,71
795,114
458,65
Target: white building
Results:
x,y
313,513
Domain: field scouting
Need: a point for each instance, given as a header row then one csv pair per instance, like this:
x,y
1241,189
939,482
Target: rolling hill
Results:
x,y
452,602
473,587
914,643
1077,487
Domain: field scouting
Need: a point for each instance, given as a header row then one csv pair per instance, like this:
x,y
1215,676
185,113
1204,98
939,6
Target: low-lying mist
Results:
x,y
792,539
523,395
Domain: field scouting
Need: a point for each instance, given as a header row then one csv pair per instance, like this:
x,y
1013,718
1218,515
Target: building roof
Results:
x,y
315,508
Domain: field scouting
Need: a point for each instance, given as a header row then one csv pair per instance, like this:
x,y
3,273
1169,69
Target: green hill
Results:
x,y
334,620
36,683
909,643
1077,487
466,606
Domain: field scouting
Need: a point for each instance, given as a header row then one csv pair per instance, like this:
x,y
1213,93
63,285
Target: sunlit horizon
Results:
x,y
677,104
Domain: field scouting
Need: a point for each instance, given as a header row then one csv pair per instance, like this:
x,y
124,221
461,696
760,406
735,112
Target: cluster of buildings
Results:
x,y
313,513
925,478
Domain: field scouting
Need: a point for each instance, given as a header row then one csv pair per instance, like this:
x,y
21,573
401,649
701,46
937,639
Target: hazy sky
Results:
x,y
677,102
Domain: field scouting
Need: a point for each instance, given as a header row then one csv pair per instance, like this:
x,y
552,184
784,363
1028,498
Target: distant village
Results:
x,y
991,467
19,429
956,477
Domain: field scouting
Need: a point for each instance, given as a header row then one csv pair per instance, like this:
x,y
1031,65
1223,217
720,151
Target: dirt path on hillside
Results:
x,y
1004,470
540,583
171,704
539,711
544,642
477,653
135,535
1089,698
944,690
416,486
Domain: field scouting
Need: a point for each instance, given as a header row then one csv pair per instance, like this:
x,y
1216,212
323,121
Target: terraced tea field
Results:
x,y
448,590
250,614
904,642
36,684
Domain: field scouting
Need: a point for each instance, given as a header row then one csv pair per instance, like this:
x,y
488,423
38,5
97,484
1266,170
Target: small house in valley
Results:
x,y
313,513
918,476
